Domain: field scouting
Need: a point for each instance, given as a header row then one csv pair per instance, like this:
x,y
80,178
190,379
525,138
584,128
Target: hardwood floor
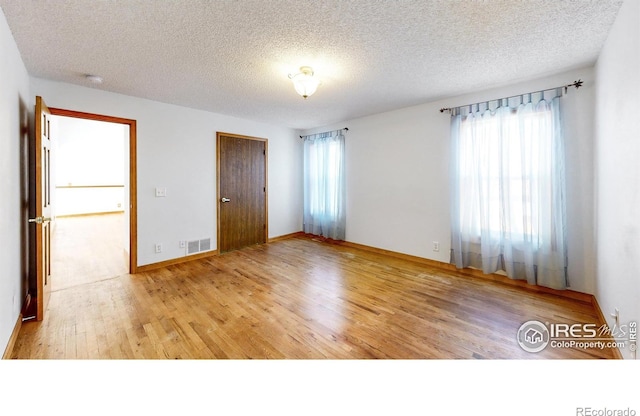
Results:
x,y
297,298
87,249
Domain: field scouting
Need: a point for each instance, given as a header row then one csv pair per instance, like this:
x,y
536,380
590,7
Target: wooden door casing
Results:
x,y
242,179
133,176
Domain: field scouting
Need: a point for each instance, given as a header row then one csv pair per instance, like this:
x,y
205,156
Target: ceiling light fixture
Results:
x,y
304,82
94,79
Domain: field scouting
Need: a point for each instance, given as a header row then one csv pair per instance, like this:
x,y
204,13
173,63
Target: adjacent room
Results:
x,y
399,180
91,231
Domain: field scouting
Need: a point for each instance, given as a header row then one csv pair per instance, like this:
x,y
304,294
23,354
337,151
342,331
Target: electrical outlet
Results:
x,y
161,192
436,246
158,248
183,244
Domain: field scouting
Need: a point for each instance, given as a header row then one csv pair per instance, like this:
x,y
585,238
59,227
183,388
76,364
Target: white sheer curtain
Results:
x,y
508,203
324,185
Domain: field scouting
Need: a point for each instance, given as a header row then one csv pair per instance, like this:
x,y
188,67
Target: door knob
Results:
x,y
226,200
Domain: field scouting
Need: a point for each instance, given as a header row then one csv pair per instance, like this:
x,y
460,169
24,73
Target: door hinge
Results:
x,y
264,189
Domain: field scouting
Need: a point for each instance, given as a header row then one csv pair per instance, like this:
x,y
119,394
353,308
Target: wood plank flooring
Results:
x,y
87,249
297,298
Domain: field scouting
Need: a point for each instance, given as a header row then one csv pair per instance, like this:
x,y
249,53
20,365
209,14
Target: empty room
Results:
x,y
336,180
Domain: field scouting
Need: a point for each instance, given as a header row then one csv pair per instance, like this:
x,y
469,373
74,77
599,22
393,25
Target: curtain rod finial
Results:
x,y
576,84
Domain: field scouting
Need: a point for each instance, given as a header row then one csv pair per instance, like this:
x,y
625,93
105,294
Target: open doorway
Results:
x,y
90,238
94,234
41,164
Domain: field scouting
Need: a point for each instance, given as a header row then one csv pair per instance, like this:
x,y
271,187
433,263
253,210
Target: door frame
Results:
x,y
266,181
133,178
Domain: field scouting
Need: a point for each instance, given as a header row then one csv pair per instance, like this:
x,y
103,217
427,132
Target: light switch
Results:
x,y
161,192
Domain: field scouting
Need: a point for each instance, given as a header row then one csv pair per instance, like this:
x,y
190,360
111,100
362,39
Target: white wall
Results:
x,y
89,200
14,106
617,143
398,175
176,150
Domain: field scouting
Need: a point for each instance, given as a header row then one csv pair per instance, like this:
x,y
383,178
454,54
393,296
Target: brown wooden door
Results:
x,y
42,221
242,191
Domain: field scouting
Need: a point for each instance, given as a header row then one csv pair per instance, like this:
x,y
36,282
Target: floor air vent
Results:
x,y
197,246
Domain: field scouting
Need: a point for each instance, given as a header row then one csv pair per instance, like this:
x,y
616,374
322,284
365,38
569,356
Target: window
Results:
x,y
324,185
324,161
508,192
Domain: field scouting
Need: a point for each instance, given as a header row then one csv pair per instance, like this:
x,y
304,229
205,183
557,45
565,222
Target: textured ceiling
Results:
x,y
233,56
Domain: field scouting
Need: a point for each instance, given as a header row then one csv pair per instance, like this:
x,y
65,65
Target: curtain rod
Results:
x,y
346,128
576,84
